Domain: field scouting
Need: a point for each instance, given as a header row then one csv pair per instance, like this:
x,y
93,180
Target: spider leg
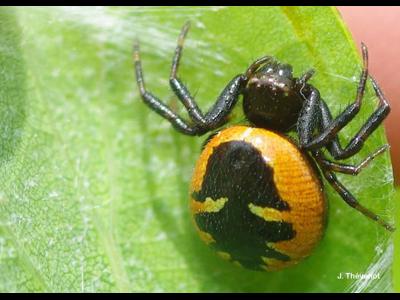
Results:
x,y
155,104
331,130
306,76
357,141
350,169
179,88
202,124
369,127
309,116
256,64
224,104
350,199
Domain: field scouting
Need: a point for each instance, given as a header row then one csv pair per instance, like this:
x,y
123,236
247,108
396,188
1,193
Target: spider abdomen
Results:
x,y
257,199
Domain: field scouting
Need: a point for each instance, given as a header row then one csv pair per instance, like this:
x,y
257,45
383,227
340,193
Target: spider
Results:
x,y
274,101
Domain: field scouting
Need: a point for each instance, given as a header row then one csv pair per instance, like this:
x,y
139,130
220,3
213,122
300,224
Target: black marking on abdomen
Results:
x,y
236,170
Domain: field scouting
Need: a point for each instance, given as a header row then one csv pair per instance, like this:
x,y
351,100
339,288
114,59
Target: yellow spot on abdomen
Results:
x,y
267,213
224,255
206,237
209,205
273,264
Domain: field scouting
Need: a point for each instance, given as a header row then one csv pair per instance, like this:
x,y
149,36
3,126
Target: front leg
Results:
x,y
155,104
179,88
373,122
330,131
224,104
217,114
356,143
214,117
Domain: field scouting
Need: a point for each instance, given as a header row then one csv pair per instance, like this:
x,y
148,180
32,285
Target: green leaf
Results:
x,y
94,186
396,261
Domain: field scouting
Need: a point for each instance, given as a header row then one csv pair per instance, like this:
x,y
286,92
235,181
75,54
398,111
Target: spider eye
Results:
x,y
269,70
285,71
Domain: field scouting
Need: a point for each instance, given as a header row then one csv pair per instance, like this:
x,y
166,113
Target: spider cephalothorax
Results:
x,y
272,98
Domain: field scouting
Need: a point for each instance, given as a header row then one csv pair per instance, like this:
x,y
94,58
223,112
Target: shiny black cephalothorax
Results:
x,y
274,99
271,98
